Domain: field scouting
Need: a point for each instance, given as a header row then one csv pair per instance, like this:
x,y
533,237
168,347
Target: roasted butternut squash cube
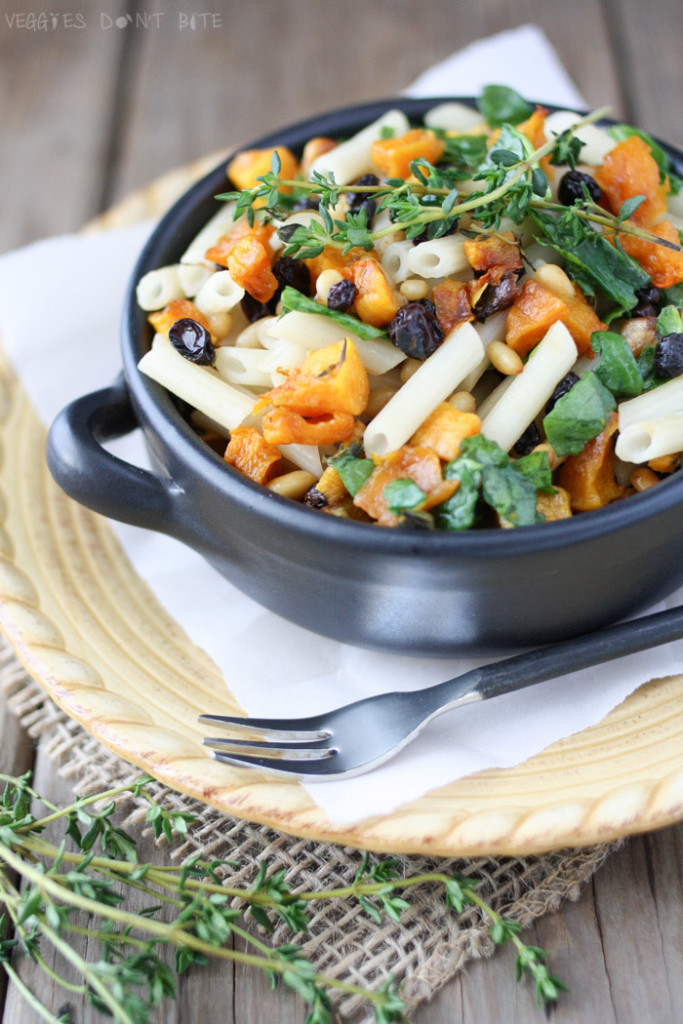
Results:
x,y
219,252
554,506
250,267
417,463
589,476
330,380
249,452
394,156
664,265
493,251
536,309
376,302
247,167
452,303
444,430
629,169
284,426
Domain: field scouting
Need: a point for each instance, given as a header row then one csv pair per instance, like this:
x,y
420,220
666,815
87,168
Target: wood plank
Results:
x,y
55,91
275,62
619,949
650,65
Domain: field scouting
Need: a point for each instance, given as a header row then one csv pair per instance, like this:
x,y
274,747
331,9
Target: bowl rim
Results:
x,y
159,414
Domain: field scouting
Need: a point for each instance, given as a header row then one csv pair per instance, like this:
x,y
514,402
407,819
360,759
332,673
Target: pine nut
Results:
x,y
504,358
325,280
408,368
220,324
463,401
665,463
292,485
643,478
376,402
414,289
556,281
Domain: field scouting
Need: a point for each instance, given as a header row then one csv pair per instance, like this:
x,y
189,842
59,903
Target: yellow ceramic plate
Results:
x,y
87,627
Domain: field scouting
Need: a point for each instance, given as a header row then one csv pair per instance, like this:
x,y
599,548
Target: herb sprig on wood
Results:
x,y
193,909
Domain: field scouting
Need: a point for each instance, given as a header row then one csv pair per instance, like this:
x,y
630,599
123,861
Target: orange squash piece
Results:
x,y
493,251
220,252
534,129
393,156
284,426
249,452
631,170
249,265
589,476
536,309
376,302
554,506
314,148
178,309
410,462
531,315
444,430
330,380
452,303
247,167
664,265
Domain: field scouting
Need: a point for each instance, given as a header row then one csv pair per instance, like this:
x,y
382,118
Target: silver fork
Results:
x,y
351,739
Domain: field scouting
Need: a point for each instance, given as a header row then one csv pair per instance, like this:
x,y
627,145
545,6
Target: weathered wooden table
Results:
x,y
95,103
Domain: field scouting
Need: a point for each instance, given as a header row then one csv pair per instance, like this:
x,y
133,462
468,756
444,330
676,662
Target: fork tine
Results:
x,y
268,749
292,769
276,729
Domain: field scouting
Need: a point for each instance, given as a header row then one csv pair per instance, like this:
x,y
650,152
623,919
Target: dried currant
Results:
x,y
669,357
565,385
341,296
358,201
192,341
648,300
497,295
527,441
571,188
294,273
415,329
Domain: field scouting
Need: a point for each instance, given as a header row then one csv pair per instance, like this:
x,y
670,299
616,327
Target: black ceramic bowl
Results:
x,y
409,592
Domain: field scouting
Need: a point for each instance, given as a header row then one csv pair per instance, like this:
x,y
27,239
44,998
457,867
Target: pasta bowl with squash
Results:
x,y
414,380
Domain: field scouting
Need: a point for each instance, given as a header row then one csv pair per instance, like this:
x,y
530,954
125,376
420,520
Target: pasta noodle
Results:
x,y
310,331
438,257
219,294
662,401
650,439
159,287
526,394
431,384
351,158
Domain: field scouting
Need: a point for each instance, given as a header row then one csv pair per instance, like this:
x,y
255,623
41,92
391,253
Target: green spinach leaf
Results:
x,y
579,415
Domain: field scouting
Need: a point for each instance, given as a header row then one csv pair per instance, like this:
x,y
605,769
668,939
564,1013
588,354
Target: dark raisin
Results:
x,y
315,499
291,272
648,300
571,188
565,385
341,296
192,341
415,329
527,441
358,201
307,203
497,296
669,357
253,309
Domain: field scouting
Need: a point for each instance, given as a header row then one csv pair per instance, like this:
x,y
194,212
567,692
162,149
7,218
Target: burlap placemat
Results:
x,y
424,951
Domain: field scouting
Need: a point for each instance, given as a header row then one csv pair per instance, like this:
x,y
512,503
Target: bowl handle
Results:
x,y
100,480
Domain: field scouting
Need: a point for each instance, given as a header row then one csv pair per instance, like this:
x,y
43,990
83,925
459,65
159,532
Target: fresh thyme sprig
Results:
x,y
513,187
201,910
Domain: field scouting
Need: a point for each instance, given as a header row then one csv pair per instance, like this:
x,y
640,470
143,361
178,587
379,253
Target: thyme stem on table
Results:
x,y
202,911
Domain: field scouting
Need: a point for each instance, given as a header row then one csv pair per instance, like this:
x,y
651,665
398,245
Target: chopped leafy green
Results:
x,y
617,368
464,152
402,494
295,300
499,104
591,260
579,415
673,295
669,322
352,469
486,472
620,132
646,366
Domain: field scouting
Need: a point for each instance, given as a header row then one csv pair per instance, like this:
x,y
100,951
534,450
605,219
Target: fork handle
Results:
x,y
560,659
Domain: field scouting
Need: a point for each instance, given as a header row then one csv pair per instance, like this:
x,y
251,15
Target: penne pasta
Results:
x,y
219,225
201,386
311,331
159,287
454,117
650,439
518,403
438,257
597,142
431,384
219,294
351,158
665,400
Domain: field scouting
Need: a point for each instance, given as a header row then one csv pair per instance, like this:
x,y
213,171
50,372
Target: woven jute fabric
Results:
x,y
422,953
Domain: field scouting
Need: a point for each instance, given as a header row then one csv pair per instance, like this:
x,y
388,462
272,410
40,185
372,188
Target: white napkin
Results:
x,y
60,303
